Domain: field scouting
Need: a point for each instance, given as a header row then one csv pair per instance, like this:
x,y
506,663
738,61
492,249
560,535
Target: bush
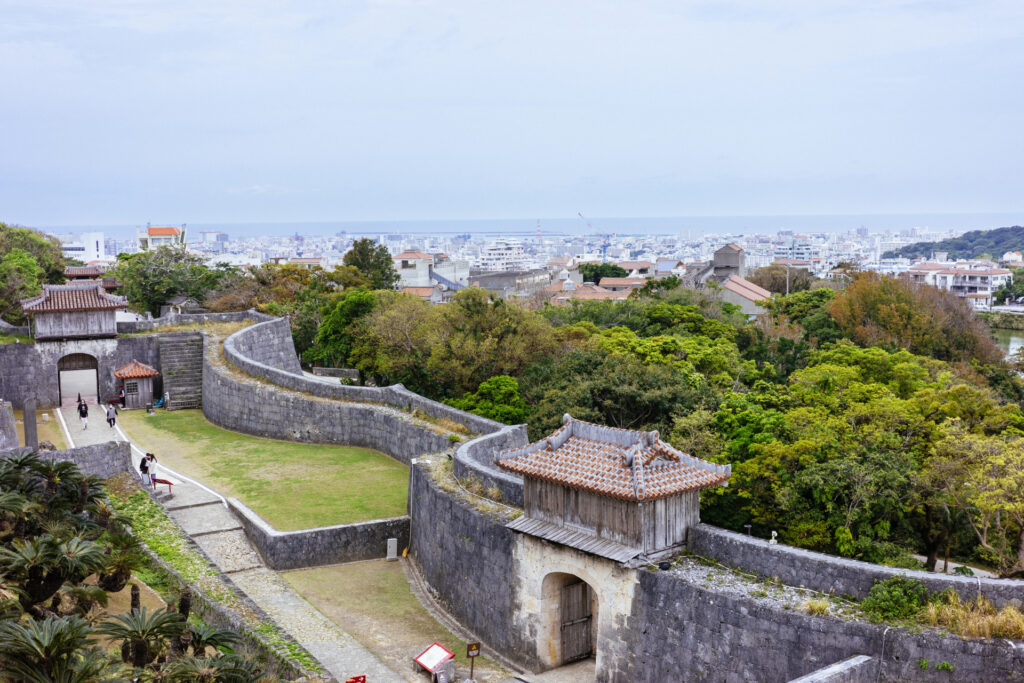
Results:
x,y
895,598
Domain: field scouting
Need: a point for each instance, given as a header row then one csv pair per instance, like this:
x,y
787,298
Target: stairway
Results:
x,y
181,362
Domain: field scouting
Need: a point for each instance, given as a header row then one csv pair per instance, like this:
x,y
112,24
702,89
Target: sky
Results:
x,y
206,111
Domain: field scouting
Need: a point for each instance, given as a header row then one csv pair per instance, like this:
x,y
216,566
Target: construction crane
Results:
x,y
605,243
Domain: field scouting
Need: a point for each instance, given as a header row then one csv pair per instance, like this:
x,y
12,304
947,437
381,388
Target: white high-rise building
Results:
x,y
85,246
503,254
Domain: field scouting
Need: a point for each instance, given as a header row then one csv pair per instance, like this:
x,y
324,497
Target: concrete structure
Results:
x,y
622,284
80,310
84,247
745,294
975,281
137,380
419,269
512,283
160,236
8,427
434,294
503,254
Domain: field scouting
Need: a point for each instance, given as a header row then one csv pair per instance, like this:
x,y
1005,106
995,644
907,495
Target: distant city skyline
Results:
x,y
240,112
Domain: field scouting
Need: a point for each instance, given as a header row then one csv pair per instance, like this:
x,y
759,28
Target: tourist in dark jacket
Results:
x,y
83,412
111,416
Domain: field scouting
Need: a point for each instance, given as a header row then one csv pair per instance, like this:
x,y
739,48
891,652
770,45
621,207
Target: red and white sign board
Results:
x,y
433,657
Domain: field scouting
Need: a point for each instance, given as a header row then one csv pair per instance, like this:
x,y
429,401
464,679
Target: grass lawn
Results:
x,y
372,601
291,485
45,431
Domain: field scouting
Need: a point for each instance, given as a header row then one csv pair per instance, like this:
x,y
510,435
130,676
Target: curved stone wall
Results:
x,y
676,630
838,575
254,408
477,457
263,351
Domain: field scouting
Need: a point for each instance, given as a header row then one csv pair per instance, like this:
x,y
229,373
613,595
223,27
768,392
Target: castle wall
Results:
x,y
673,629
838,575
476,458
8,427
103,460
322,545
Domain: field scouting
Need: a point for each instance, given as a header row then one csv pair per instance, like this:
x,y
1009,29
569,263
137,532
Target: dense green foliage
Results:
x,y
1012,292
973,244
374,262
152,278
58,529
28,259
895,598
836,410
594,272
779,279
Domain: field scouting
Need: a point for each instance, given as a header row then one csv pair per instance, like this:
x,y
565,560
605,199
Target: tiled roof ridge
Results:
x,y
136,369
93,287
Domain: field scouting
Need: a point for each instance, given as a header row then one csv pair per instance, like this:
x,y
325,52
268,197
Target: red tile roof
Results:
x,y
623,282
619,463
419,291
76,296
634,265
161,232
82,271
135,370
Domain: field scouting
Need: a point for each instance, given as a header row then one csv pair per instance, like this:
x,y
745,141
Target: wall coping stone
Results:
x,y
856,669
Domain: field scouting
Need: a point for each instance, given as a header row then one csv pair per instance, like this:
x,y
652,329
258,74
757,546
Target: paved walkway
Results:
x,y
204,516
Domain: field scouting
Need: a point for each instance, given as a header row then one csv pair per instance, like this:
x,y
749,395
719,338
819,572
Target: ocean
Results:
x,y
687,226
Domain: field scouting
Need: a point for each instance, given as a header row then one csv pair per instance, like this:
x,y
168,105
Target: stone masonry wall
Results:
x,y
827,573
102,460
132,326
254,408
324,545
676,630
8,427
681,631
467,559
477,457
269,343
240,347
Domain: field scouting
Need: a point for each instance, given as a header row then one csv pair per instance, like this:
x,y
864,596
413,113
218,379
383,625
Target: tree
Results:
x,y
334,337
374,262
151,278
773,278
143,632
20,277
594,272
43,248
497,399
50,650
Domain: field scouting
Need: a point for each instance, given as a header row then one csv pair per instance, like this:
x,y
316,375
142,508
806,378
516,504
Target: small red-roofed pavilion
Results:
x,y
137,379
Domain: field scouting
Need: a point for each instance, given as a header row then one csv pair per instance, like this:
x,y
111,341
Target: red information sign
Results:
x,y
433,657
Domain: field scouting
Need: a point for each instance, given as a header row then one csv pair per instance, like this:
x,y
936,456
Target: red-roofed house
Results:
x,y
745,294
137,380
975,281
615,493
160,236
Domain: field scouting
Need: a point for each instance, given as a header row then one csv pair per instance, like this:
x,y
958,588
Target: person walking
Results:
x,y
83,412
111,415
152,469
144,470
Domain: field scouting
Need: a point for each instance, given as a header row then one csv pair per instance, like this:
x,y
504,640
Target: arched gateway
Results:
x,y
596,502
78,373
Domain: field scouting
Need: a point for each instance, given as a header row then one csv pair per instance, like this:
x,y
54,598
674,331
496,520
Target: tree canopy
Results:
x,y
151,278
594,272
373,261
969,245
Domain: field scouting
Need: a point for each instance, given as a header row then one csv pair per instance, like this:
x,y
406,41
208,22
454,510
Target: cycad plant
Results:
x,y
50,650
143,633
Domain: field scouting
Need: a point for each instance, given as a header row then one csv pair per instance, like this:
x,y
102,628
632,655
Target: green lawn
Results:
x,y
372,601
291,485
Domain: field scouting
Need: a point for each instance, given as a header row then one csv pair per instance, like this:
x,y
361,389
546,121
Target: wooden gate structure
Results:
x,y
577,621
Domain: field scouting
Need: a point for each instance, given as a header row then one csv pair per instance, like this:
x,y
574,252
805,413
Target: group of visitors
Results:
x,y
147,467
83,410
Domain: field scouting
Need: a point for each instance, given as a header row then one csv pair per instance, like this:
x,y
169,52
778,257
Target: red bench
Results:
x,y
163,481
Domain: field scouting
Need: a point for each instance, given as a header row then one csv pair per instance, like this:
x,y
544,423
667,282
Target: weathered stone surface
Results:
x,y
858,669
323,545
838,575
477,457
8,427
103,460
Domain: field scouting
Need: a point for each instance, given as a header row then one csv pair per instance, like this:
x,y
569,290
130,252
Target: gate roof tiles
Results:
x,y
79,296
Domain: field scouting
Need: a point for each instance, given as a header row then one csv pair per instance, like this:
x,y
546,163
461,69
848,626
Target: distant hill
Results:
x,y
969,245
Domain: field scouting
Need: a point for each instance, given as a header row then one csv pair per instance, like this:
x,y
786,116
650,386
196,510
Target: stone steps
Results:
x,y
181,361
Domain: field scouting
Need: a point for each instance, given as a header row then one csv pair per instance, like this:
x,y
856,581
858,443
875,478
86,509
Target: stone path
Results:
x,y
202,514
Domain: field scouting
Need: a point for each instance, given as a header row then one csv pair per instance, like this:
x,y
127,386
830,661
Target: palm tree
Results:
x,y
50,650
143,633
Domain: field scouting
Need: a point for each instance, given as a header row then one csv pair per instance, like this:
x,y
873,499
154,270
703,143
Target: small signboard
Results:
x,y
433,657
357,679
473,650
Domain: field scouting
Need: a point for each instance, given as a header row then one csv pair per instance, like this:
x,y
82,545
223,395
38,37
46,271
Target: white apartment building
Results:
x,y
975,281
503,254
157,236
86,246
419,269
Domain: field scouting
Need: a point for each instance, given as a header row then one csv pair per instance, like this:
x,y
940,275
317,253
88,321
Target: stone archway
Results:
x,y
78,373
569,618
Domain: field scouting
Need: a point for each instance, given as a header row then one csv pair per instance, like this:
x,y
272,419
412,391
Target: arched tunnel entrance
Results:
x,y
570,619
78,373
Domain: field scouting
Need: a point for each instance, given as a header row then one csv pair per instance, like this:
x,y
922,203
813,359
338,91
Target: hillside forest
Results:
x,y
874,422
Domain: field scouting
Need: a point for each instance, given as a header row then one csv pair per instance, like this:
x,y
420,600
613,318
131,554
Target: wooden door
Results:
x,y
577,642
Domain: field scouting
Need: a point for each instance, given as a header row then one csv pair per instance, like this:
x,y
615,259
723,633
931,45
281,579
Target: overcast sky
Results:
x,y
205,111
